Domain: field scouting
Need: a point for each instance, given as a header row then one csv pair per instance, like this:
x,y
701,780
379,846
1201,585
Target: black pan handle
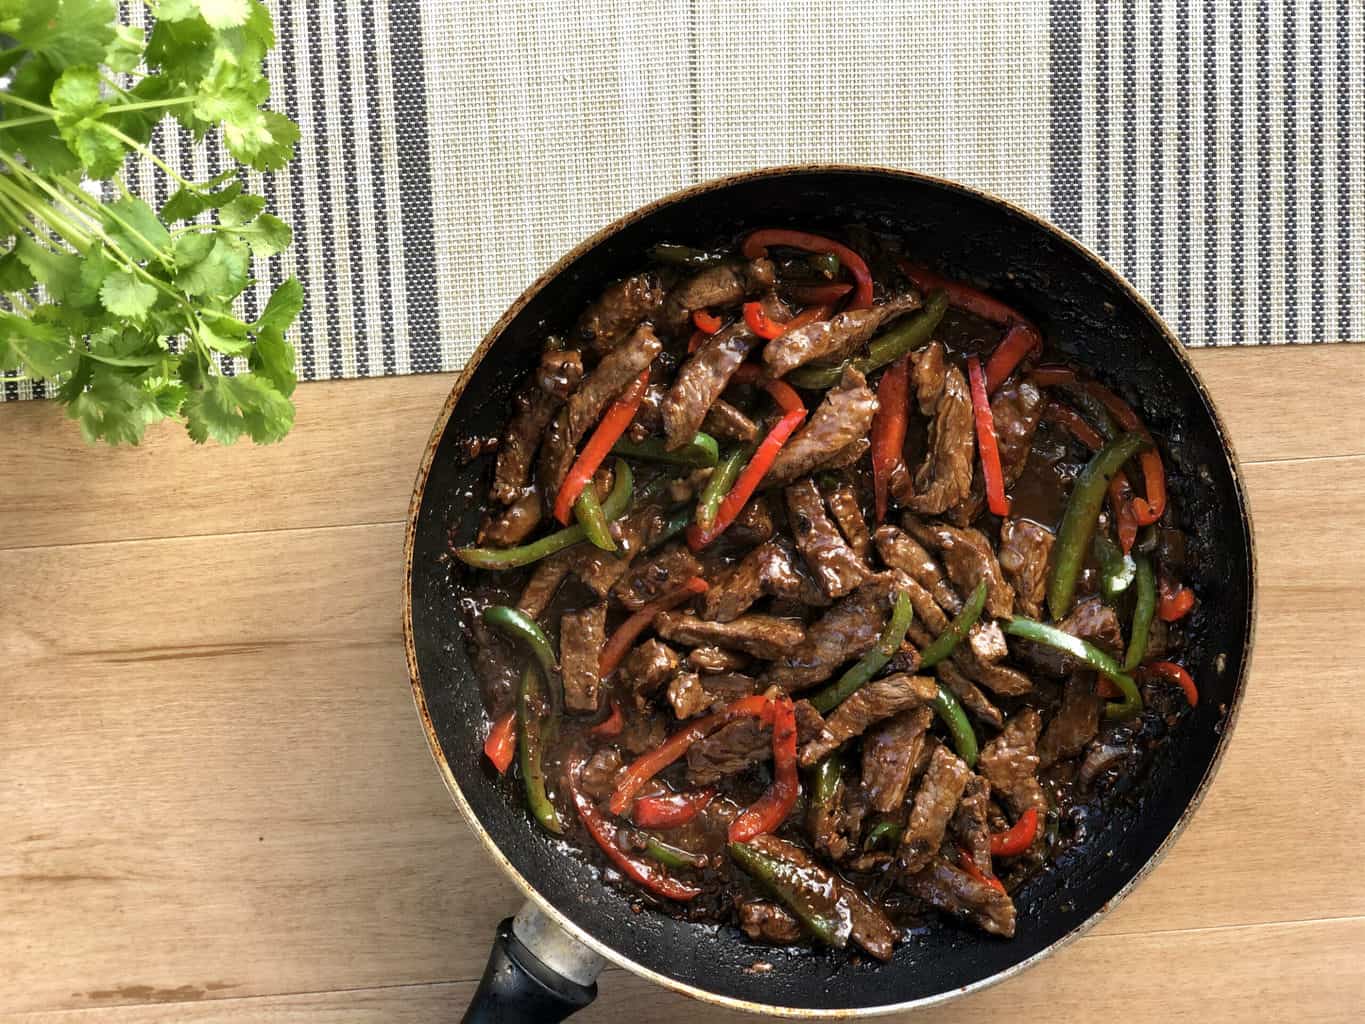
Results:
x,y
536,973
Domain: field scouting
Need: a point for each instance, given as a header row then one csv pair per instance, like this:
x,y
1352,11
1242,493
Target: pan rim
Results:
x,y
442,422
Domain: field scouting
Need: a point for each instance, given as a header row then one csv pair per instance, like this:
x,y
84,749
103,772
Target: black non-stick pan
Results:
x,y
544,967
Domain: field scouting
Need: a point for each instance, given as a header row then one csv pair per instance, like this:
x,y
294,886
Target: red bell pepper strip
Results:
x,y
1018,837
1120,490
964,296
609,430
651,763
612,724
817,294
1019,341
1074,422
1176,601
965,862
626,634
888,428
501,745
756,245
769,811
672,809
1173,673
706,322
757,319
985,441
644,873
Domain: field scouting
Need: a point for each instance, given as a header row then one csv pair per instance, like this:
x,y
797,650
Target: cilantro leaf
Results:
x,y
123,294
66,32
273,359
134,226
282,307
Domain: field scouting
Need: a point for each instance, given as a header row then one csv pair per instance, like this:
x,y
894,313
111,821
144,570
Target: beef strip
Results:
x,y
952,890
832,830
559,371
581,636
618,309
730,749
868,924
782,574
545,579
875,701
649,417
843,633
1016,409
649,578
890,750
969,558
535,409
848,513
701,379
716,287
763,636
837,569
730,596
513,524
999,679
969,825
939,792
642,731
599,774
1076,722
901,551
842,419
970,695
1091,620
1010,764
691,693
724,420
944,478
833,339
1025,548
753,525
716,660
647,667
765,921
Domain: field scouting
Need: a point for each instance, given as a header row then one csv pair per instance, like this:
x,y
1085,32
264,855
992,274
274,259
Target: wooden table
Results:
x,y
216,804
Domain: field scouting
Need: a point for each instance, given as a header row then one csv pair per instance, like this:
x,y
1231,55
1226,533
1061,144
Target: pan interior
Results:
x,y
1086,314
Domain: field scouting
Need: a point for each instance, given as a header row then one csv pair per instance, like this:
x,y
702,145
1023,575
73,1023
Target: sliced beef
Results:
x,y
1025,548
545,581
952,890
890,751
846,456
691,693
1010,764
842,419
647,667
1092,621
654,576
875,701
830,826
763,636
724,420
848,513
782,574
649,417
730,749
979,658
701,379
714,288
969,558
534,410
833,339
901,551
753,525
716,660
765,921
600,773
970,825
581,636
969,694
513,524
557,454
935,801
623,305
642,730
944,478
730,596
867,923
559,371
843,633
836,567
1076,722
1016,409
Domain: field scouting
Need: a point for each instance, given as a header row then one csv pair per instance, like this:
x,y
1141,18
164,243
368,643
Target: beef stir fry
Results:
x,y
816,600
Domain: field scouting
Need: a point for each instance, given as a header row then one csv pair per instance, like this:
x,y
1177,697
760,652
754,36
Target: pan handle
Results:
x,y
536,972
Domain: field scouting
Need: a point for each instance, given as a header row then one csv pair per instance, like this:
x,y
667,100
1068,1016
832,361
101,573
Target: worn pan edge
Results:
x,y
414,511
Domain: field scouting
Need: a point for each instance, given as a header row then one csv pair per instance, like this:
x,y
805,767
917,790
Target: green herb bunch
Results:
x,y
123,307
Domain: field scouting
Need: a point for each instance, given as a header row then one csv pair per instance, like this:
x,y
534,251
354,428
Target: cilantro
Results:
x,y
126,308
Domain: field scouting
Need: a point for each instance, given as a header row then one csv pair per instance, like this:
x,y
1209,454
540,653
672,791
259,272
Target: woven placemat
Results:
x,y
1213,151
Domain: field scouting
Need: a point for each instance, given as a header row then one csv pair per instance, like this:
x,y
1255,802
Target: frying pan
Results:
x,y
544,965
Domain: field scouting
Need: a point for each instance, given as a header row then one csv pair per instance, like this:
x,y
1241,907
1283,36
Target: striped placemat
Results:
x,y
1212,150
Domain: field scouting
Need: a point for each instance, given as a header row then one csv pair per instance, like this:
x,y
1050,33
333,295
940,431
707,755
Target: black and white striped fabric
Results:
x,y
1212,150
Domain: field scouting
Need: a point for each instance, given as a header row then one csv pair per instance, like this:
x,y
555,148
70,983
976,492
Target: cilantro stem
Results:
x,y
19,122
132,143
50,115
32,206
19,101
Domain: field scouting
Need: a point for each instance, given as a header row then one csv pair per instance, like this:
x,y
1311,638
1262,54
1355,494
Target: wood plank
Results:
x,y
213,773
1304,972
353,455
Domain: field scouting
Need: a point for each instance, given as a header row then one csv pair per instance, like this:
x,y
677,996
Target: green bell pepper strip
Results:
x,y
519,627
718,485
618,501
946,642
672,856
529,746
908,335
950,712
791,886
893,635
1117,570
1087,654
1143,613
890,830
698,453
825,779
684,255
588,511
1082,514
